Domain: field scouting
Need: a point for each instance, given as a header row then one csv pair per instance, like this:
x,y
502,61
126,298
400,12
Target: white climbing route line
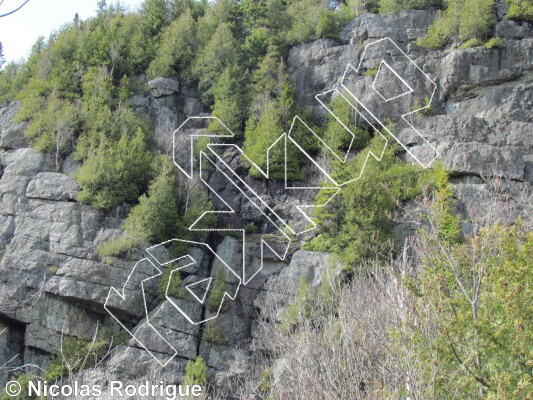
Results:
x,y
398,90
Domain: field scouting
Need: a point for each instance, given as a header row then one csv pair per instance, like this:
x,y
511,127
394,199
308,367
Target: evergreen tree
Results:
x,y
220,52
115,173
156,217
177,49
231,99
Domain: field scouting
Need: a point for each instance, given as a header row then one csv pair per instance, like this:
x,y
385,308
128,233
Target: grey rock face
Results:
x,y
163,86
11,135
49,242
406,26
52,186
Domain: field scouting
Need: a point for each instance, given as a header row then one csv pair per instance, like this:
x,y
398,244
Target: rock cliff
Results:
x,y
52,281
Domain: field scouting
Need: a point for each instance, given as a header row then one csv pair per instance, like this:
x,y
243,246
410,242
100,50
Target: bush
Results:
x,y
231,100
371,71
115,173
196,372
462,20
495,42
357,224
53,269
170,284
156,217
218,289
120,247
471,43
393,6
212,333
520,10
77,354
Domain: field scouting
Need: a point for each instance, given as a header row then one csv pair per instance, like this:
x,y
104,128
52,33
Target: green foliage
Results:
x,y
53,128
115,173
251,228
371,71
231,100
156,217
53,269
119,247
212,333
170,284
445,220
393,6
218,288
23,380
176,52
77,354
298,309
520,10
336,136
196,372
471,43
495,42
357,224
266,380
479,295
219,53
462,20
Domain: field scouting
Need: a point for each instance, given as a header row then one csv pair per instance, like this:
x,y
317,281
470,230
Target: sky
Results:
x,y
19,31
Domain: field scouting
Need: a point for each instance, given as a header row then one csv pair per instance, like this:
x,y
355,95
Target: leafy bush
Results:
x,y
356,224
218,288
120,247
77,354
231,100
393,6
156,217
520,10
196,372
170,284
495,42
297,310
371,71
463,20
212,333
115,173
471,43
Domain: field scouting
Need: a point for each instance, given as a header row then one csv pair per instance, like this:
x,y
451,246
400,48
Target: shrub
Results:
x,y
336,136
357,224
471,43
212,333
115,173
231,100
53,269
77,354
462,20
297,310
520,10
120,247
196,372
216,294
495,42
371,71
156,217
170,284
393,6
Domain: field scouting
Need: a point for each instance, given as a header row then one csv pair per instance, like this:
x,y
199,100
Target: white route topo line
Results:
x,y
362,109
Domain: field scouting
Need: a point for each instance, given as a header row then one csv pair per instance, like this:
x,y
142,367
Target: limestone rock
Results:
x,y
52,186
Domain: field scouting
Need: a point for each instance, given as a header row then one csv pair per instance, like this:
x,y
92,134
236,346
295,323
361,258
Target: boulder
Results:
x,y
160,87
